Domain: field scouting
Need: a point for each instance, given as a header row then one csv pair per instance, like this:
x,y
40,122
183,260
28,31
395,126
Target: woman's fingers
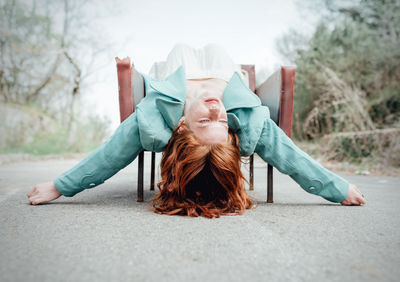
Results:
x,y
43,193
354,197
33,191
362,200
37,199
360,196
34,200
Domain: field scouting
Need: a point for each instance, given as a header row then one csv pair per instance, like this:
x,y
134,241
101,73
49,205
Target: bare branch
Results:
x,y
77,80
65,26
34,93
4,87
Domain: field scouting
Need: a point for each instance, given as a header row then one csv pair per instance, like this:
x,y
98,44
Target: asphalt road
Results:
x,y
103,234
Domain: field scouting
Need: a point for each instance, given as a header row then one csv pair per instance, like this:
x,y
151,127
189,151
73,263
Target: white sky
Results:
x,y
147,30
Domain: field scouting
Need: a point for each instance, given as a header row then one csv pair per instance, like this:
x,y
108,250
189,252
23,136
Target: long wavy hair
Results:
x,y
201,180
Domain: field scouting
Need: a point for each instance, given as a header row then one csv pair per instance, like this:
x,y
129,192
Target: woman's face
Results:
x,y
207,118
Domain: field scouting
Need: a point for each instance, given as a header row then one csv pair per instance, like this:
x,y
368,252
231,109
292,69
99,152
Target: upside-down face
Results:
x,y
206,117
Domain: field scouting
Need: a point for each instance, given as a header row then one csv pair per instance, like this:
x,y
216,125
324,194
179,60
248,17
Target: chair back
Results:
x,y
130,87
277,94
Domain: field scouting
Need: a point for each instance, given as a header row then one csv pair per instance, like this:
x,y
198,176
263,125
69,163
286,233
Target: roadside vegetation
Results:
x,y
347,92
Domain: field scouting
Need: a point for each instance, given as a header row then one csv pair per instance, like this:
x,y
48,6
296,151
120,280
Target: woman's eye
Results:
x,y
223,120
204,120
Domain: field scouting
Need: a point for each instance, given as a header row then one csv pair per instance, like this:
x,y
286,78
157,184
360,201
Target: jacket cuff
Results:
x,y
336,191
62,187
333,188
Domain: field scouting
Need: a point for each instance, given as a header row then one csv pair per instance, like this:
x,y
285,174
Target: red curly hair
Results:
x,y
201,180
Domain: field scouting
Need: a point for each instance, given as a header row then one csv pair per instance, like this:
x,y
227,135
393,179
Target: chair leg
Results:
x,y
270,185
153,166
251,172
140,177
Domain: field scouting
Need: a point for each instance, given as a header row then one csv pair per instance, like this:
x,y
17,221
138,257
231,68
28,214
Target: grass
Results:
x,y
51,143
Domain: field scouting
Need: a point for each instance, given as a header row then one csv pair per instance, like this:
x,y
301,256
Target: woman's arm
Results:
x,y
276,148
113,155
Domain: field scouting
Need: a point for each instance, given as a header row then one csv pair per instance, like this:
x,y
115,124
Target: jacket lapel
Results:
x,y
174,86
171,97
237,95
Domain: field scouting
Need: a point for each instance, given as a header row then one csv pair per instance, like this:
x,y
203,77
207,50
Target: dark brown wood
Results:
x,y
140,177
277,94
270,185
131,89
286,100
126,104
251,173
252,85
153,168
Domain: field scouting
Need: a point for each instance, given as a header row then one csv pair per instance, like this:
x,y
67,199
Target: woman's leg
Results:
x,y
180,55
219,64
211,61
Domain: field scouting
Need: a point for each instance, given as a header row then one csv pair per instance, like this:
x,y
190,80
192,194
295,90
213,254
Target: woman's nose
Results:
x,y
214,110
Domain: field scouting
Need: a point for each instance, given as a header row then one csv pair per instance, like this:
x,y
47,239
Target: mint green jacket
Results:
x,y
151,125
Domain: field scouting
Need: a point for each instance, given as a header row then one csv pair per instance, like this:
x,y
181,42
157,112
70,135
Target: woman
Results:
x,y
197,113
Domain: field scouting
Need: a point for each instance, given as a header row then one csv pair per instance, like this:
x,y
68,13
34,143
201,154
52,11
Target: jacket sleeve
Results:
x,y
113,155
276,148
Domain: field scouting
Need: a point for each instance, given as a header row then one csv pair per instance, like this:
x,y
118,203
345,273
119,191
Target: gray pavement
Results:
x,y
103,234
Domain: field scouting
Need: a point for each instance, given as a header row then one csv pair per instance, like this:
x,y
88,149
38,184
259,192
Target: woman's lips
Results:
x,y
212,100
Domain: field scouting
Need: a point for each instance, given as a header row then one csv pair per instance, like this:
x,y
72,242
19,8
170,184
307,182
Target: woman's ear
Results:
x,y
180,123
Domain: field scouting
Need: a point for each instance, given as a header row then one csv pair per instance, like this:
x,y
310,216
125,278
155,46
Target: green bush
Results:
x,y
353,58
380,145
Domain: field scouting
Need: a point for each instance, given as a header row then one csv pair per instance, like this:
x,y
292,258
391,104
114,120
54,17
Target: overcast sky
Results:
x,y
147,30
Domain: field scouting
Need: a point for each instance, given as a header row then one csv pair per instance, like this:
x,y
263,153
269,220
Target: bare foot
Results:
x,y
354,197
43,193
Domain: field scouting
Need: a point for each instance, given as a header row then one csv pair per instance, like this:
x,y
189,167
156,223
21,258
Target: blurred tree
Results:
x,y
26,42
47,50
348,72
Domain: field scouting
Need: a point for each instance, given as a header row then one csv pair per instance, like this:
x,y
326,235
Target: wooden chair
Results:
x,y
131,91
276,92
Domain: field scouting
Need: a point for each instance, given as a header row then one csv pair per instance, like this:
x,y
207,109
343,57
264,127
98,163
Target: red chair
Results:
x,y
131,91
276,92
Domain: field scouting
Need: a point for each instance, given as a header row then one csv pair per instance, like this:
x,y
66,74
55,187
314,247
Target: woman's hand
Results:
x,y
354,197
43,193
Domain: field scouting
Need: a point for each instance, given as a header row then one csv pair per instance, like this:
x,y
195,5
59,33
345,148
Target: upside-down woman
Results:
x,y
201,114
